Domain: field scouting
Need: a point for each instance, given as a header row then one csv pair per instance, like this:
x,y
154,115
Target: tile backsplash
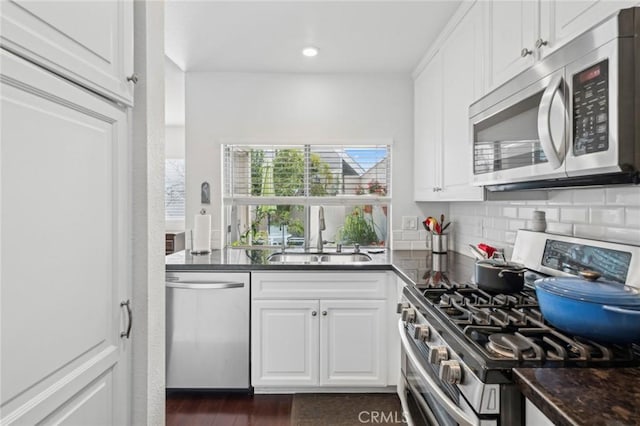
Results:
x,y
611,214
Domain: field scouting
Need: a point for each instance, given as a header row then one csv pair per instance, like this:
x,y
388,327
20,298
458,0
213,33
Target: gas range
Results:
x,y
460,344
501,331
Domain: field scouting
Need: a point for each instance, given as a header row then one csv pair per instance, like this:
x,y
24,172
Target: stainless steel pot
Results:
x,y
499,276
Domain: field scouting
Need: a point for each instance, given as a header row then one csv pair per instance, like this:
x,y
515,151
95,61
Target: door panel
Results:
x,y
64,200
96,51
284,342
93,402
462,84
561,21
512,26
353,342
428,131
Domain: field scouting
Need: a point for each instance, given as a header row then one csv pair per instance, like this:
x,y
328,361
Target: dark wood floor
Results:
x,y
228,410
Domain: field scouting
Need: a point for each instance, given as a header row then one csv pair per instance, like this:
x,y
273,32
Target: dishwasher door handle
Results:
x,y
204,285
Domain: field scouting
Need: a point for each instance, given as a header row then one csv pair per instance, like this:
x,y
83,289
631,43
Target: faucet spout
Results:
x,y
284,240
321,227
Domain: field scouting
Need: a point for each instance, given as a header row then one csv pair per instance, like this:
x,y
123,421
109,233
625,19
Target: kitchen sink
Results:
x,y
327,258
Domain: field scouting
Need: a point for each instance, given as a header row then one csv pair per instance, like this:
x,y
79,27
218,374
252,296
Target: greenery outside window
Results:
x,y
274,192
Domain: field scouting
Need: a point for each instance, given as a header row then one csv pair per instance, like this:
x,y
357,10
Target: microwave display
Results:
x,y
591,109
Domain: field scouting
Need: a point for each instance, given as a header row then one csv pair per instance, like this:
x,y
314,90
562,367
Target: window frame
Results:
x,y
307,201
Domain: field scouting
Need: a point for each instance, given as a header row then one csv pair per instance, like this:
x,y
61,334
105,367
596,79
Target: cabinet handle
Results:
x,y
324,313
525,52
133,78
540,42
127,333
314,313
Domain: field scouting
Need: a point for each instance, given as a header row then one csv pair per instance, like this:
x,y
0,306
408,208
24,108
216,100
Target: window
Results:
x,y
174,190
273,193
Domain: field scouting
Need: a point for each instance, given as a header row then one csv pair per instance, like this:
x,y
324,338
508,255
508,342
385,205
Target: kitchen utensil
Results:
x,y
598,310
431,224
487,249
444,228
499,276
477,253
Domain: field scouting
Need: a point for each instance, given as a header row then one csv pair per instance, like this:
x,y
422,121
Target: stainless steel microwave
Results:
x,y
573,119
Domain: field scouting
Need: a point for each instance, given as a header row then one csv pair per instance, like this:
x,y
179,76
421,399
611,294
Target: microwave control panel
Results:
x,y
591,109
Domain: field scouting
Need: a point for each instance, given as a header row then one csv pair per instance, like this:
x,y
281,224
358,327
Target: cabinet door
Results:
x,y
462,84
353,343
64,189
511,27
284,342
561,20
428,131
89,42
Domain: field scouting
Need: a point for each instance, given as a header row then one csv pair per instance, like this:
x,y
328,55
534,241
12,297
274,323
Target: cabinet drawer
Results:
x,y
323,285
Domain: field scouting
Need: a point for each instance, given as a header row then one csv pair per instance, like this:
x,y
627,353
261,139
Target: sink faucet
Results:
x,y
283,227
321,227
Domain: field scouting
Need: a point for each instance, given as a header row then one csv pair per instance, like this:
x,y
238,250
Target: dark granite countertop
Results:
x,y
415,267
583,396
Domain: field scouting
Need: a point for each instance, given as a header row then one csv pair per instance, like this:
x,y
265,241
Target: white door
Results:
x,y
462,82
353,349
427,145
284,342
561,20
90,42
64,259
512,30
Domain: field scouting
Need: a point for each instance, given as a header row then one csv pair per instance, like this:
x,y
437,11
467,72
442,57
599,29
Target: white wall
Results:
x,y
291,107
611,214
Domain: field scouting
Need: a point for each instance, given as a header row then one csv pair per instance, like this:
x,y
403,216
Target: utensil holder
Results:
x,y
439,243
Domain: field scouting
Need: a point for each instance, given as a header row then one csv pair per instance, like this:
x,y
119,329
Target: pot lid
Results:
x,y
598,291
499,264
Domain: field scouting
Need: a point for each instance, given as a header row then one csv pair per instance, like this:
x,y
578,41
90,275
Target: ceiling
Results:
x,y
268,36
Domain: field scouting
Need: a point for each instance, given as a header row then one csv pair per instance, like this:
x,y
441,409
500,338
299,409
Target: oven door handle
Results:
x,y
547,144
456,412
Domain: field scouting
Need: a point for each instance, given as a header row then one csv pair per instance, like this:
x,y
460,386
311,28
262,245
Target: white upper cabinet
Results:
x,y
561,21
428,131
512,29
519,33
462,84
445,88
88,42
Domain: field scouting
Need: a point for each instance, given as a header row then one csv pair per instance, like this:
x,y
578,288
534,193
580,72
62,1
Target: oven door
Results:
x,y
429,401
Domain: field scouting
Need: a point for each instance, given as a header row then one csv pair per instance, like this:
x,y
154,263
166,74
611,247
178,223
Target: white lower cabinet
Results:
x,y
284,342
316,336
352,343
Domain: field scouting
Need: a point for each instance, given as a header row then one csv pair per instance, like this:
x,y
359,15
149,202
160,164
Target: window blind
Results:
x,y
307,171
174,197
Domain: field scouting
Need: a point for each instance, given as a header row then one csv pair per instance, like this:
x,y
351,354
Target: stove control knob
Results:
x,y
438,354
421,332
409,315
451,372
401,306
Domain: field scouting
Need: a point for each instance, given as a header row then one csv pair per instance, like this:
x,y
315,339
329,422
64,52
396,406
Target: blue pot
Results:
x,y
584,308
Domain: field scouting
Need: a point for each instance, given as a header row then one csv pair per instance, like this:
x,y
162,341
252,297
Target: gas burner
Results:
x,y
510,346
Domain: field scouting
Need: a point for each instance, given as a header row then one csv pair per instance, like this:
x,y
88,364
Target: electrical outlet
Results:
x,y
409,223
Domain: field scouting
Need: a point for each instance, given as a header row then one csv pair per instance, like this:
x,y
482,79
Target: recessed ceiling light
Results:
x,y
310,51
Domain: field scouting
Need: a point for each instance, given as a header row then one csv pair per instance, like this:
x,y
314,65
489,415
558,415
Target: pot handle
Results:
x,y
620,310
511,271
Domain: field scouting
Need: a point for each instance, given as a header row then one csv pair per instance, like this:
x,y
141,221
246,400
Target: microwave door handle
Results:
x,y
544,123
452,409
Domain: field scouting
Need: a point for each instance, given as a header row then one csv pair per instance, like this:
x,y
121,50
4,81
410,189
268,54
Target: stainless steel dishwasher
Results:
x,y
207,330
